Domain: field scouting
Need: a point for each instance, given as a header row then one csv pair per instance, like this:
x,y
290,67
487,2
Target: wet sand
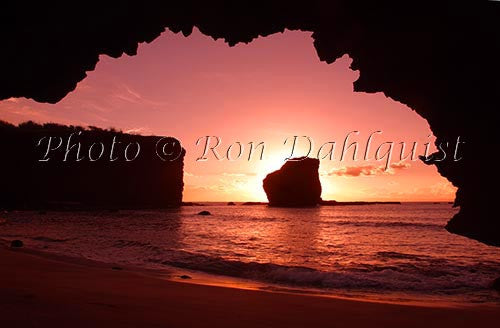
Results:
x,y
36,291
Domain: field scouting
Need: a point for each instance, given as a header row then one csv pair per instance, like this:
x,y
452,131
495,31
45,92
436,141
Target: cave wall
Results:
x,y
439,58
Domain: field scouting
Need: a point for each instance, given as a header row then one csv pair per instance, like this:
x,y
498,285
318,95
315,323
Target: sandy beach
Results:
x,y
37,291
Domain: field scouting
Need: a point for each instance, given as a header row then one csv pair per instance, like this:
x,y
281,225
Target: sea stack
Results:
x,y
295,184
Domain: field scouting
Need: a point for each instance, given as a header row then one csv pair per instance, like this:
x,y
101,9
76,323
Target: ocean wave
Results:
x,y
145,246
395,224
397,255
427,277
359,250
50,240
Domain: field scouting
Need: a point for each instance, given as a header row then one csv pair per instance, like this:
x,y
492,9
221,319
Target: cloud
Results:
x,y
400,165
139,130
250,174
127,94
368,170
443,190
213,187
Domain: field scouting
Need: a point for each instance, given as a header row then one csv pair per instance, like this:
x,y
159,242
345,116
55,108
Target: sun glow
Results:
x,y
263,168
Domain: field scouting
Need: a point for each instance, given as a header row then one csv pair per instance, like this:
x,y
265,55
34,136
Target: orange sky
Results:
x,y
269,90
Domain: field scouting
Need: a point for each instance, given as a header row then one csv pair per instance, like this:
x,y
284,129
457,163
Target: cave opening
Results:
x,y
269,90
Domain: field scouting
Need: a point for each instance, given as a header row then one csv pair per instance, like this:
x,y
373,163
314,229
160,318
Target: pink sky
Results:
x,y
269,90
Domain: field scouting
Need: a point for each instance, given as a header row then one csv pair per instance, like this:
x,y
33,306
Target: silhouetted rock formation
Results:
x,y
231,204
440,58
204,213
295,184
496,284
144,182
16,243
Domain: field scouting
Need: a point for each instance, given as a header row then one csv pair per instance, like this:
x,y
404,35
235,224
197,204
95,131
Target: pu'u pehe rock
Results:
x,y
296,184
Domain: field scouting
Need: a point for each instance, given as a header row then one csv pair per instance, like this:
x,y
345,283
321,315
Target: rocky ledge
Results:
x,y
87,168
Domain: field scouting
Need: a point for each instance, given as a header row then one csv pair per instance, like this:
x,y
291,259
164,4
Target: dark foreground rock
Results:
x,y
16,243
204,213
296,184
496,284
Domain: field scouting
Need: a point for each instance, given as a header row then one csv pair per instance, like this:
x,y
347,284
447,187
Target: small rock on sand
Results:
x,y
16,243
496,284
204,213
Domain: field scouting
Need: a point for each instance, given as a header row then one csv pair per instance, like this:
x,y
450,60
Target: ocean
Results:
x,y
388,252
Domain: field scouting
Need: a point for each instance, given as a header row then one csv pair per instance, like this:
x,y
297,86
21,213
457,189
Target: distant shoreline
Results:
x,y
323,203
78,207
332,203
240,202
